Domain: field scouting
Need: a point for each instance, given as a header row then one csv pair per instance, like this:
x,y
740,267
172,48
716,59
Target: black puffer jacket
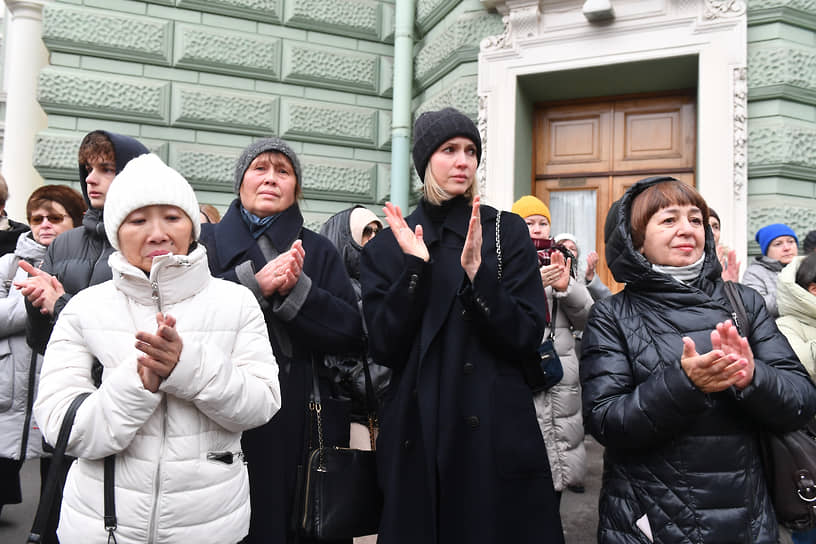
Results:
x,y
79,257
686,460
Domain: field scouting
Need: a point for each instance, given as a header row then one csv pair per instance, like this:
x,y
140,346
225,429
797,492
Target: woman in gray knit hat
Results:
x,y
310,309
460,455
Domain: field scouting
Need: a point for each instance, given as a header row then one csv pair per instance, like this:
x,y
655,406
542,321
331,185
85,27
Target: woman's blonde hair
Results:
x,y
436,195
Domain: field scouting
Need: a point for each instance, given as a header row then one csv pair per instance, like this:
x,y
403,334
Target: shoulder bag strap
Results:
x,y
738,312
56,474
371,403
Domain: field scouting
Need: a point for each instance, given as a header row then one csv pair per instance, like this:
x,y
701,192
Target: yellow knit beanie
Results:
x,y
529,205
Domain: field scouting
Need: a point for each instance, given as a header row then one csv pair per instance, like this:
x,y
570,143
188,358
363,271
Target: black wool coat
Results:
x,y
327,321
686,460
460,455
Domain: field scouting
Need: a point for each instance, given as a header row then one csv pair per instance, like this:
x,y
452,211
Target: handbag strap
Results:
x,y
551,318
371,404
58,460
738,312
316,406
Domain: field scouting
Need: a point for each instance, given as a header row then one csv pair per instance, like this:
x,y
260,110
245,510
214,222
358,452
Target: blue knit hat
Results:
x,y
769,233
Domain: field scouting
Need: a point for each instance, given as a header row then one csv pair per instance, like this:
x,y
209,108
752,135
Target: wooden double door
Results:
x,y
587,154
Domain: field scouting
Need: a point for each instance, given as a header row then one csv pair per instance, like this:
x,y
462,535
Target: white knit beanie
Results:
x,y
147,181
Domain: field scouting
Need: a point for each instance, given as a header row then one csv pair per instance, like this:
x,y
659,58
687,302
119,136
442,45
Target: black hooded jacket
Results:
x,y
350,367
79,257
681,461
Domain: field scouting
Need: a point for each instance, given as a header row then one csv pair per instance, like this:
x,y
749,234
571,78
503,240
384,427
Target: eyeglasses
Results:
x,y
54,219
370,231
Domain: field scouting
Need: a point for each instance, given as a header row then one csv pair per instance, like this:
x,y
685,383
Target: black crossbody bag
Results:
x,y
543,369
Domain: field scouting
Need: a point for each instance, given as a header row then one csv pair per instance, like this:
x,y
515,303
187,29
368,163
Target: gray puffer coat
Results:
x,y
679,463
558,409
19,434
761,275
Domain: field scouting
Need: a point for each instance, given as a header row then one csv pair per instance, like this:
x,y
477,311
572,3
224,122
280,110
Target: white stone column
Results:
x,y
26,55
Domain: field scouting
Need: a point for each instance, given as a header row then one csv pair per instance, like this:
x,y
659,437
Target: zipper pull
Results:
x,y
156,296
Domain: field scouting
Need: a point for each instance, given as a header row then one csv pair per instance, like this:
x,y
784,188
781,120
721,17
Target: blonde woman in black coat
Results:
x,y
460,455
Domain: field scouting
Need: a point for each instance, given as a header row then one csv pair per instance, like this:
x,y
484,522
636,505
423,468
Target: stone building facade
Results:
x,y
197,80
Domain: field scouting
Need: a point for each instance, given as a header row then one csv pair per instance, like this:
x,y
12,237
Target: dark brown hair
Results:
x,y
806,273
70,199
96,147
656,197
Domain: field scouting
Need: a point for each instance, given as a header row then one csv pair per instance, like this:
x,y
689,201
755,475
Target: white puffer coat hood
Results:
x,y
168,489
797,315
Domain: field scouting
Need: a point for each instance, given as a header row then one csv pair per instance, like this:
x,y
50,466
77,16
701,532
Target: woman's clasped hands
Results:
x,y
161,352
729,363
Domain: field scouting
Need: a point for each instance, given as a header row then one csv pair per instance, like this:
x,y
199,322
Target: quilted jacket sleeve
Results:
x,y
781,396
238,390
110,417
12,303
619,411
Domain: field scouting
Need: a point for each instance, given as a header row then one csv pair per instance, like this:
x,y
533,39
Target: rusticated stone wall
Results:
x,y
197,80
782,115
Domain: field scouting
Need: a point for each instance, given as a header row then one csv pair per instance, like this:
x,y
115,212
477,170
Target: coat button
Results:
x,y
472,421
407,444
467,368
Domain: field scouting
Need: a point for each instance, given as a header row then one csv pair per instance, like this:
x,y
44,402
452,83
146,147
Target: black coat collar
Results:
x,y
233,238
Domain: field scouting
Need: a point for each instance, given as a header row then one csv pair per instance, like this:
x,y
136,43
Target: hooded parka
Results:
x,y
19,433
173,481
79,257
678,462
797,315
318,317
761,275
460,456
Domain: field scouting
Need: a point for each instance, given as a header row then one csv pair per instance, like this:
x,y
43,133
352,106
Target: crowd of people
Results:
x,y
200,344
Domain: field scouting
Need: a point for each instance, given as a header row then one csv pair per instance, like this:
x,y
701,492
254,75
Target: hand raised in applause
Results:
x,y
410,241
557,273
713,371
472,251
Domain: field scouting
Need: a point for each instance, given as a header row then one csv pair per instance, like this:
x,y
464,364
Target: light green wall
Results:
x,y
197,80
781,115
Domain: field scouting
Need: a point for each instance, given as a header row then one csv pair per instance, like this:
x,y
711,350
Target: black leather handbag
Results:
x,y
788,459
340,497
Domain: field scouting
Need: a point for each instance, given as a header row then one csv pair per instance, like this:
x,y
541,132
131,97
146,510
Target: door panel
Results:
x,y
577,138
655,134
608,145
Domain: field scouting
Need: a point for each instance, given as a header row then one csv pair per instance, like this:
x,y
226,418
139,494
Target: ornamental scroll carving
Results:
x,y
481,172
740,86
714,9
520,23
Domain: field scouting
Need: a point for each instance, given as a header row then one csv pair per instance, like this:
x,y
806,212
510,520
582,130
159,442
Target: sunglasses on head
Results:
x,y
54,219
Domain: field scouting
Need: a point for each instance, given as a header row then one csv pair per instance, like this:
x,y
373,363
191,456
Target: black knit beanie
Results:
x,y
434,128
262,146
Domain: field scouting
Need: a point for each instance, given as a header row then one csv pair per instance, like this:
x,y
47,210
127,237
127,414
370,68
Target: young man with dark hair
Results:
x,y
79,258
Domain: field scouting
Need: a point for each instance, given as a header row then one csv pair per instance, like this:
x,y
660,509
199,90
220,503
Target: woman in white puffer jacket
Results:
x,y
187,367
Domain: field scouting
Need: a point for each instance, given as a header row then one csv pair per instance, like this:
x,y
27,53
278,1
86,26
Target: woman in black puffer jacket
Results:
x,y
672,392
